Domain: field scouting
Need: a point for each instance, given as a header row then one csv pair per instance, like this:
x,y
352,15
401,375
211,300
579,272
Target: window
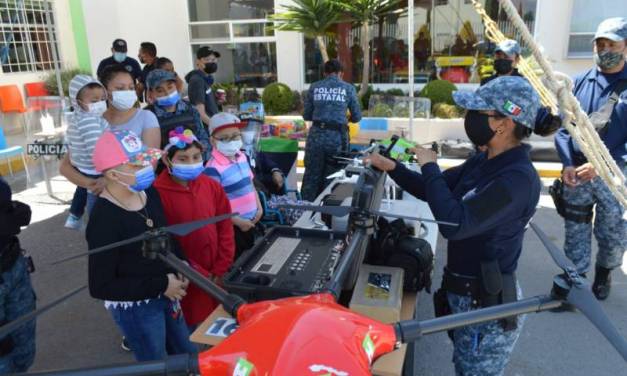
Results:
x,y
249,64
586,16
444,44
25,42
240,31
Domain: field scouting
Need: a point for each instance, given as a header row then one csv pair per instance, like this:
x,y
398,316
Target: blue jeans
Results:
x,y
82,198
17,298
154,329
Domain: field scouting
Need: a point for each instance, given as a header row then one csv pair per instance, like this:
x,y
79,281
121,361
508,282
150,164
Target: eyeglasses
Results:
x,y
233,137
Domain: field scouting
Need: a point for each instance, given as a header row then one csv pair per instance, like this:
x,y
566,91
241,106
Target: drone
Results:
x,y
284,336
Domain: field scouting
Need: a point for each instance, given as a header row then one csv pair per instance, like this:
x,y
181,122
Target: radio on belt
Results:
x,y
288,261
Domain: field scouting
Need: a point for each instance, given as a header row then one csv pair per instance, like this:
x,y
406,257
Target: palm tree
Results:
x,y
364,13
314,18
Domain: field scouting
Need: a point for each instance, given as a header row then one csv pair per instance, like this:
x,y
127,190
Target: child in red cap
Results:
x,y
142,295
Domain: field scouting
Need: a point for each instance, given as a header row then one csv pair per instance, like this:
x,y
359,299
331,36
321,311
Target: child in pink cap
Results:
x,y
142,295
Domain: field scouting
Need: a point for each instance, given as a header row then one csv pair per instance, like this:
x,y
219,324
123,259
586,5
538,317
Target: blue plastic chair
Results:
x,y
7,152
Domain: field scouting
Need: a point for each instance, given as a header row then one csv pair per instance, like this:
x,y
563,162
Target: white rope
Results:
x,y
575,119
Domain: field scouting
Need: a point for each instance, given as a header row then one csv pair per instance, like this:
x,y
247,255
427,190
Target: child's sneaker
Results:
x,y
73,222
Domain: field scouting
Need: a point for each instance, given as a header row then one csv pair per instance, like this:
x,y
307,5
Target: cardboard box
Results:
x,y
378,293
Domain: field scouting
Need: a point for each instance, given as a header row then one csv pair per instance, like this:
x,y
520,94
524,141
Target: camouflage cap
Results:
x,y
509,47
512,96
614,28
157,76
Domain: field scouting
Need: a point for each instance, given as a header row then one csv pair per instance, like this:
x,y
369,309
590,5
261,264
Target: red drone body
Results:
x,y
310,335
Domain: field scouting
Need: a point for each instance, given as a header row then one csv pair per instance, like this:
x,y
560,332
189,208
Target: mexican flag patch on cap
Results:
x,y
512,108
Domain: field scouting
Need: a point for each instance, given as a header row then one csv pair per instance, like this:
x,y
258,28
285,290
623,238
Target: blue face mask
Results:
x,y
169,100
187,172
143,179
119,56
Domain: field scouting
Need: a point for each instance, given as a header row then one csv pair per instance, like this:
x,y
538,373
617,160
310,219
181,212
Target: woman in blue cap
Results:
x,y
492,196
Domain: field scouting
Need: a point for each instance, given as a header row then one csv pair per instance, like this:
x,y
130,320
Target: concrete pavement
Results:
x,y
80,333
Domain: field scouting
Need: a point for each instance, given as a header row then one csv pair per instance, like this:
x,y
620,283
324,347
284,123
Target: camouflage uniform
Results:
x,y
481,349
593,90
326,102
17,298
610,228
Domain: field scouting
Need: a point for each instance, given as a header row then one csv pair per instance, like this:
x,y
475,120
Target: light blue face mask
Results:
x,y
169,100
187,172
143,179
119,56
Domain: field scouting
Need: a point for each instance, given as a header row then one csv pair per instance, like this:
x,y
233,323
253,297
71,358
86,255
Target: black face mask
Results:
x,y
477,126
503,66
211,68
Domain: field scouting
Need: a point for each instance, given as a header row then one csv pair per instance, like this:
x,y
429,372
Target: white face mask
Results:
x,y
97,108
123,100
229,148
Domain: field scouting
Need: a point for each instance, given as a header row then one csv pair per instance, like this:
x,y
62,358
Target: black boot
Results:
x,y
602,282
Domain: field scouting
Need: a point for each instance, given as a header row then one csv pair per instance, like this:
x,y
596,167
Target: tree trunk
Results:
x,y
365,46
323,48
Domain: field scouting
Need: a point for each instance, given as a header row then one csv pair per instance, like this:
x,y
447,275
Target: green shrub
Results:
x,y
438,91
380,110
395,92
447,111
66,76
278,99
365,99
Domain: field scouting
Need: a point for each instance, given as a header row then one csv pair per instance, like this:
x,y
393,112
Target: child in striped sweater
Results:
x,y
229,166
88,99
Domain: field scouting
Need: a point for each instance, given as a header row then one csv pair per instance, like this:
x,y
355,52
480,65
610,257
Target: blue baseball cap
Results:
x,y
509,47
157,76
512,96
614,28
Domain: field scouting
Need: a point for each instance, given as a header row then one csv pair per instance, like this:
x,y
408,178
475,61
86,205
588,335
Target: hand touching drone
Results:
x,y
424,156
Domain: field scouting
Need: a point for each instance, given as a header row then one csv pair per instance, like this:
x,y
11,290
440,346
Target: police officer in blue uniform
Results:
x,y
119,55
602,93
325,105
17,350
492,196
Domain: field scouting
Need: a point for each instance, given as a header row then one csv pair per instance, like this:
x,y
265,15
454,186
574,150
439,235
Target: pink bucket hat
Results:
x,y
118,147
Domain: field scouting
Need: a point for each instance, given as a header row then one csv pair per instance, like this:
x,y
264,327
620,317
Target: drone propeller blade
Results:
x,y
180,229
183,229
105,248
394,215
558,256
581,297
10,327
336,211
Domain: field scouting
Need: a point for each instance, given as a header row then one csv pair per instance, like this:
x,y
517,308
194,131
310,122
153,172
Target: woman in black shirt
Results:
x,y
141,294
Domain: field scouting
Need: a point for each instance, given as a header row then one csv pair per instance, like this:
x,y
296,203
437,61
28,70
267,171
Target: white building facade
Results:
x,y
255,55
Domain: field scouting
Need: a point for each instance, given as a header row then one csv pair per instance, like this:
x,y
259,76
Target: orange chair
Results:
x,y
34,90
11,101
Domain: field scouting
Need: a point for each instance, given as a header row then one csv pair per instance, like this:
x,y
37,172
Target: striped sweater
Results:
x,y
83,129
236,178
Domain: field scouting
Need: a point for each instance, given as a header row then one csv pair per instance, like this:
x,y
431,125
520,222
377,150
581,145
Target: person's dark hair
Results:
x,y
149,48
172,150
161,62
110,72
91,85
521,132
333,66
